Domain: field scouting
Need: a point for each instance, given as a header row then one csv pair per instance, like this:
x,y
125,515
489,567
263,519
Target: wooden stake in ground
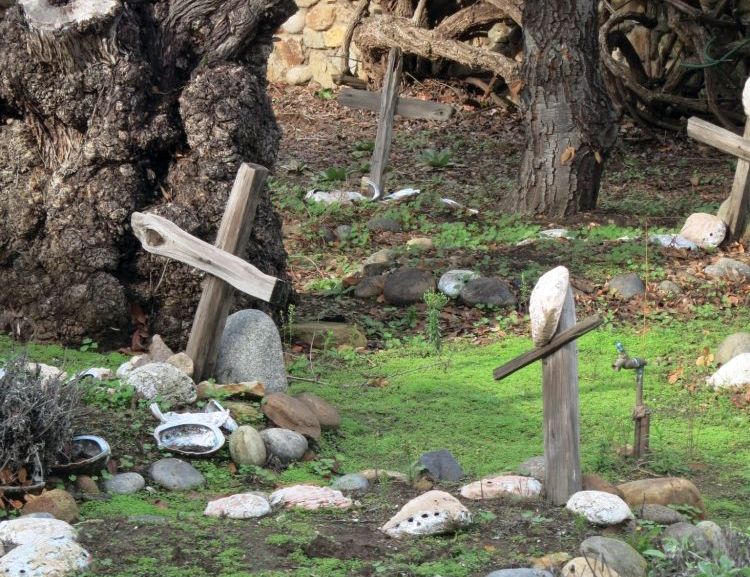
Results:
x,y
561,414
554,321
226,271
388,103
729,142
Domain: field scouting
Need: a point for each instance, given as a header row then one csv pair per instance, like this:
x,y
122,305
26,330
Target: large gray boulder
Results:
x,y
250,350
728,268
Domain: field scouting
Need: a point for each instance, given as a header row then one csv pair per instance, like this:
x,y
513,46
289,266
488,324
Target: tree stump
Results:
x,y
117,106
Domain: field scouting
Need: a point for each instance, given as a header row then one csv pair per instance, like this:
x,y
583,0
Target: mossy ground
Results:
x,y
426,401
399,398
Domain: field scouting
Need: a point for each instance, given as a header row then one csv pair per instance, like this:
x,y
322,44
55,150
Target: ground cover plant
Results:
x,y
424,379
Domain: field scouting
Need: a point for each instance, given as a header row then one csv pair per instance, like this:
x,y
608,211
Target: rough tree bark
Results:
x,y
568,116
116,106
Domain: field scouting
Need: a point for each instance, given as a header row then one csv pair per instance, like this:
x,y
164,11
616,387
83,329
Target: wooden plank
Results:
x,y
720,138
384,136
561,414
217,298
406,107
164,238
739,198
562,338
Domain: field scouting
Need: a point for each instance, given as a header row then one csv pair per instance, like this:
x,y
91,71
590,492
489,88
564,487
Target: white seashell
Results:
x,y
432,513
191,439
705,230
599,507
241,506
546,303
502,486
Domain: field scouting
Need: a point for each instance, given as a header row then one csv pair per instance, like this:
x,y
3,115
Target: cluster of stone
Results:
x,y
309,43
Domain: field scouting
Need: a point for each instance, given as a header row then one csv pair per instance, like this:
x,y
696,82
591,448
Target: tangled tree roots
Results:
x,y
113,106
665,60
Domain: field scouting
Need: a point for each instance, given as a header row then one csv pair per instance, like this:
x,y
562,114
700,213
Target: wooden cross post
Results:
x,y
388,103
226,270
555,317
739,146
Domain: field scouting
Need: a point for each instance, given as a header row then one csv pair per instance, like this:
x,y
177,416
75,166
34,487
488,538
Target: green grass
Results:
x,y
71,360
492,426
452,401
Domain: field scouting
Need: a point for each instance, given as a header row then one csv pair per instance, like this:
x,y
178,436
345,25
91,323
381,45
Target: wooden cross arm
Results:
x,y
164,238
407,107
577,330
719,138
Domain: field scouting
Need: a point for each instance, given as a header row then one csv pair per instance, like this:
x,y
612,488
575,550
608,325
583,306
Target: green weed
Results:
x,y
437,158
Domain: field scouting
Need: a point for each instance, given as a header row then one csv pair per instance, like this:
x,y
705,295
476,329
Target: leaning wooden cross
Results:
x,y
554,331
389,105
226,270
739,146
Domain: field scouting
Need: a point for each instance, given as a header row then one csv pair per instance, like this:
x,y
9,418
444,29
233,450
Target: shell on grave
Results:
x,y
705,230
88,452
546,303
432,513
189,439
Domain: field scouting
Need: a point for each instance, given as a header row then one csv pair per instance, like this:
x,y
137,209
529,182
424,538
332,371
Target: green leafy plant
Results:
x,y
437,158
291,316
363,148
435,302
723,567
534,518
88,344
114,395
333,174
325,94
324,467
257,475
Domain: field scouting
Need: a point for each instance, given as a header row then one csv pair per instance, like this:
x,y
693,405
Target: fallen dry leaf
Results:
x,y
567,156
378,382
676,375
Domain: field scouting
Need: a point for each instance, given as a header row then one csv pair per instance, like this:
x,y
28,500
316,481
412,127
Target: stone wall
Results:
x,y
309,45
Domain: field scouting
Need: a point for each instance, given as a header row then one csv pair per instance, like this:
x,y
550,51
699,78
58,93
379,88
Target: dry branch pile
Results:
x,y
663,60
36,421
670,59
481,37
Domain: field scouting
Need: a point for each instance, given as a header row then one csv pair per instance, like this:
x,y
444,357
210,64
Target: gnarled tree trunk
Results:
x,y
568,115
113,106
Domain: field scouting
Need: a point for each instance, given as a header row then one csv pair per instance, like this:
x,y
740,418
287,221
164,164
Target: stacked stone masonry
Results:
x,y
309,43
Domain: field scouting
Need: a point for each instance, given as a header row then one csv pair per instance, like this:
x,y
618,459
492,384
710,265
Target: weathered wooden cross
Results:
x,y
226,271
554,331
739,146
389,105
